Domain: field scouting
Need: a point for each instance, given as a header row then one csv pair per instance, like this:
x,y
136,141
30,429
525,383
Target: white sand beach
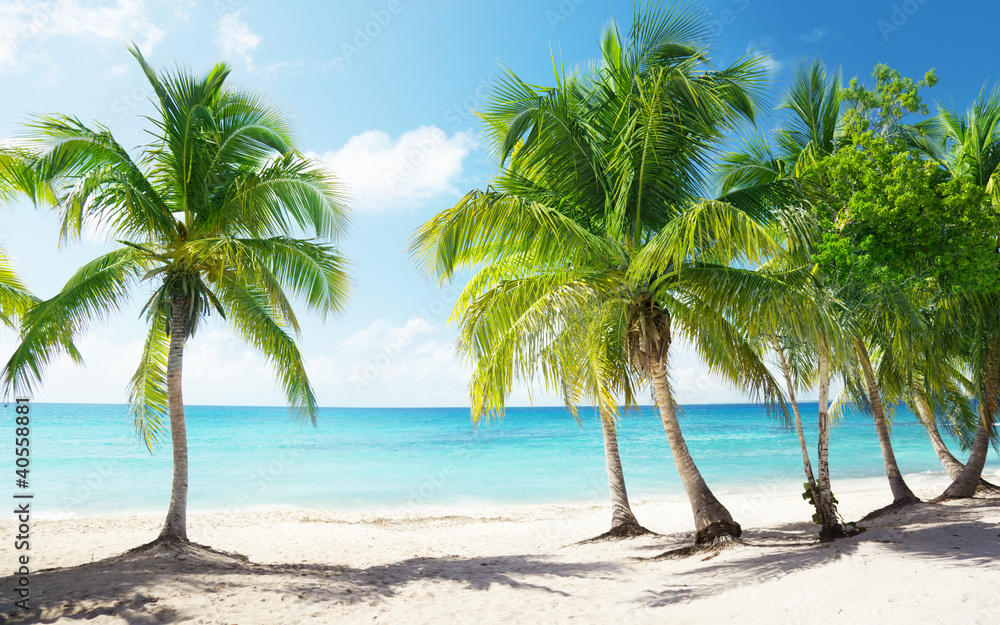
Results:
x,y
934,563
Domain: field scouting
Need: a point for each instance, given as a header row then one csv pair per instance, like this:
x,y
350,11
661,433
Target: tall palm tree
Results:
x,y
813,133
593,215
781,177
591,374
938,399
968,146
873,311
206,217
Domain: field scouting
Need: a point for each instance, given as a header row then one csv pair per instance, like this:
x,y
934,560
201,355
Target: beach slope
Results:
x,y
933,563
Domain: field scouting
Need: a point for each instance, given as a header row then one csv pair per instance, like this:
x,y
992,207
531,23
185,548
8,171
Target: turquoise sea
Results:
x,y
85,459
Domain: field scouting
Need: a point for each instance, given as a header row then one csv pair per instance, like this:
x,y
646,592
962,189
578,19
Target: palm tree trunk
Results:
x,y
950,463
786,369
830,527
623,521
175,526
711,519
806,463
967,482
901,493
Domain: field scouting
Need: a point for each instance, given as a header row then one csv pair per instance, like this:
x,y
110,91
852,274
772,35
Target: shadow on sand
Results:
x,y
133,587
933,532
129,586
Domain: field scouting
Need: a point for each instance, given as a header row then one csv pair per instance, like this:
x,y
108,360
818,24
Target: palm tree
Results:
x,y
781,178
873,311
15,298
815,133
968,147
947,402
591,374
206,216
594,214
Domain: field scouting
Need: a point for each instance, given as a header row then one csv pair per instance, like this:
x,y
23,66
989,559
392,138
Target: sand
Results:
x,y
933,563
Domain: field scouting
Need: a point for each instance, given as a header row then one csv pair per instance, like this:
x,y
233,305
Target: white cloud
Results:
x,y
815,36
119,70
287,68
380,336
110,359
381,173
23,22
764,48
395,365
691,383
331,65
383,364
235,39
180,8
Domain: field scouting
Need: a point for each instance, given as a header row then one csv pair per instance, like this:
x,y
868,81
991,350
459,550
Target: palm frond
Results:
x,y
147,389
98,289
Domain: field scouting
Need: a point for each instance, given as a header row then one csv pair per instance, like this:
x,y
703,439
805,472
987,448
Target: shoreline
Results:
x,y
785,487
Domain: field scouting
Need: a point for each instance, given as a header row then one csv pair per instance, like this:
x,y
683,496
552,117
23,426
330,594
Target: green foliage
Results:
x,y
880,109
850,527
208,215
809,496
893,217
896,218
596,210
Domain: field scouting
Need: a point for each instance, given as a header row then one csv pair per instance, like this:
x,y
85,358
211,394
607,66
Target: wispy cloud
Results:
x,y
22,23
289,68
409,364
815,36
380,172
180,8
764,48
235,39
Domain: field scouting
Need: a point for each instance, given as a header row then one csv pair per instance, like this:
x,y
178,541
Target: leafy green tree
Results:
x,y
580,243
967,146
903,231
207,216
874,168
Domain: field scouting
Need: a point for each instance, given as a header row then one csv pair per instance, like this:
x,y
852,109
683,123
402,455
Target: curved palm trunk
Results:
x,y
950,463
623,521
711,519
830,527
175,526
901,493
967,482
786,369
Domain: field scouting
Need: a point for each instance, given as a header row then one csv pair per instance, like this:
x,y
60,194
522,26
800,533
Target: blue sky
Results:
x,y
383,91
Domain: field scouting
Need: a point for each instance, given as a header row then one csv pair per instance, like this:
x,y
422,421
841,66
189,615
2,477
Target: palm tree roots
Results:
x,y
712,539
182,548
895,506
620,531
986,489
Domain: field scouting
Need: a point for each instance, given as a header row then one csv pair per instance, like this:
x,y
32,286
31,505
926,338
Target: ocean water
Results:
x,y
86,460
